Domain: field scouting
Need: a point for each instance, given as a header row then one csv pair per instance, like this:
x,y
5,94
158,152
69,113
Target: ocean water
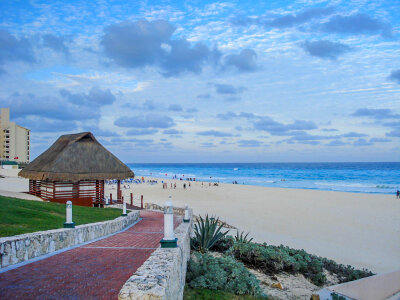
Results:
x,y
378,178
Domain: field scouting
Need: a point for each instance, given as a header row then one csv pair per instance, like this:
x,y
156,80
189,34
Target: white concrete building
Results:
x,y
14,139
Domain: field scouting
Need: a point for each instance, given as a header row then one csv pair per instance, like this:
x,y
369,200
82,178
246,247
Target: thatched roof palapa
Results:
x,y
76,157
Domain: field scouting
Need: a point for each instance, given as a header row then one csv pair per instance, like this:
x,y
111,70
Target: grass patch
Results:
x,y
204,294
19,216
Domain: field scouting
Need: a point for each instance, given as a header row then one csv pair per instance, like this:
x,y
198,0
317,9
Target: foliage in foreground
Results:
x,y
206,233
243,238
221,273
337,297
275,259
204,294
19,216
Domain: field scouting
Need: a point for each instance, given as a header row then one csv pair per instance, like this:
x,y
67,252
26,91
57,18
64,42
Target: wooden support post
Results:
x,y
118,190
102,190
141,202
131,199
38,188
54,191
32,187
97,189
75,190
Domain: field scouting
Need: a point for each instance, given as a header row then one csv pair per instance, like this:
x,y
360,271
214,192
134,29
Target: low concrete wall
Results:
x,y
152,206
378,287
163,275
19,248
181,211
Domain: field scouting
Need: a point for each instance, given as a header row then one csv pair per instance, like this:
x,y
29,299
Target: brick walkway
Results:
x,y
94,271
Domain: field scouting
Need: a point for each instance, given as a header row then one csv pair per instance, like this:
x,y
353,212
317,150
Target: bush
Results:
x,y
221,273
337,297
272,260
275,259
242,237
345,273
204,294
224,244
206,233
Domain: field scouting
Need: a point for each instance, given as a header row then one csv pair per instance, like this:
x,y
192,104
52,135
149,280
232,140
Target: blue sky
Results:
x,y
205,81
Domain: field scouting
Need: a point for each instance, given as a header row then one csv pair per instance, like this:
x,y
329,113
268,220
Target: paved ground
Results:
x,y
18,195
94,271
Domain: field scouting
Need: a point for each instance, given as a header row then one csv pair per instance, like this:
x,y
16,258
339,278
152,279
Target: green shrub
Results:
x,y
221,273
242,237
206,233
204,294
275,259
337,297
272,260
224,244
345,273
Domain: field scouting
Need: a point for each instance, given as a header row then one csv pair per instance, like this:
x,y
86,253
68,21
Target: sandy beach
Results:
x,y
352,228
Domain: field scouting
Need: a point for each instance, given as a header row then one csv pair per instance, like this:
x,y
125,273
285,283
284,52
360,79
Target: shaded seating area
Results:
x,y
75,168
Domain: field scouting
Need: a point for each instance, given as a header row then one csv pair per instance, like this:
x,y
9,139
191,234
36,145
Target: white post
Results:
x,y
124,214
69,223
169,240
186,218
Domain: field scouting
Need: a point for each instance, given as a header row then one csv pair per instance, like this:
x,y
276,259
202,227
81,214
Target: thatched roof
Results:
x,y
76,157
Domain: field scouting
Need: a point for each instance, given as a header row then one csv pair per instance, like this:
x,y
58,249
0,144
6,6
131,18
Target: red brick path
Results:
x,y
94,271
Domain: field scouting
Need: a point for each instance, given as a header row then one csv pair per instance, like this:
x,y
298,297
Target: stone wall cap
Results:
x,y
58,230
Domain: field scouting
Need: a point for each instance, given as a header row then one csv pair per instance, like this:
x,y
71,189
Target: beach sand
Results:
x,y
14,186
352,228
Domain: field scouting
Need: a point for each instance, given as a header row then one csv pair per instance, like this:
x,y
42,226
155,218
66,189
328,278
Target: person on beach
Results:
x,y
184,186
398,194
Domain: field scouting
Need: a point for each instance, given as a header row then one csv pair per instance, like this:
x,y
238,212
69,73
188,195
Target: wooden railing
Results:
x,y
84,193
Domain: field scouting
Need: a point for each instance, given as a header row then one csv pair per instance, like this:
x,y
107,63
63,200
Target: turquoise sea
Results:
x,y
377,177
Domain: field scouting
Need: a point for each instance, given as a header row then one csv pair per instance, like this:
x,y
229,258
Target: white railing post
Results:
x,y
124,214
169,240
186,218
69,223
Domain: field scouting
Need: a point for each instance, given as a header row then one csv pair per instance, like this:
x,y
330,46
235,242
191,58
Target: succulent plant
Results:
x,y
206,233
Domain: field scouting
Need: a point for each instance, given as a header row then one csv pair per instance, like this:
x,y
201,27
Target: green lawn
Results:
x,y
203,294
19,216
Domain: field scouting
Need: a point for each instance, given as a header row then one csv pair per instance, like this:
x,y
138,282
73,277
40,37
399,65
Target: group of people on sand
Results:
x,y
210,184
180,178
173,186
186,185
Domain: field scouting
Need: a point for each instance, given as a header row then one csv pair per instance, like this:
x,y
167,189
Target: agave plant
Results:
x,y
242,238
206,233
